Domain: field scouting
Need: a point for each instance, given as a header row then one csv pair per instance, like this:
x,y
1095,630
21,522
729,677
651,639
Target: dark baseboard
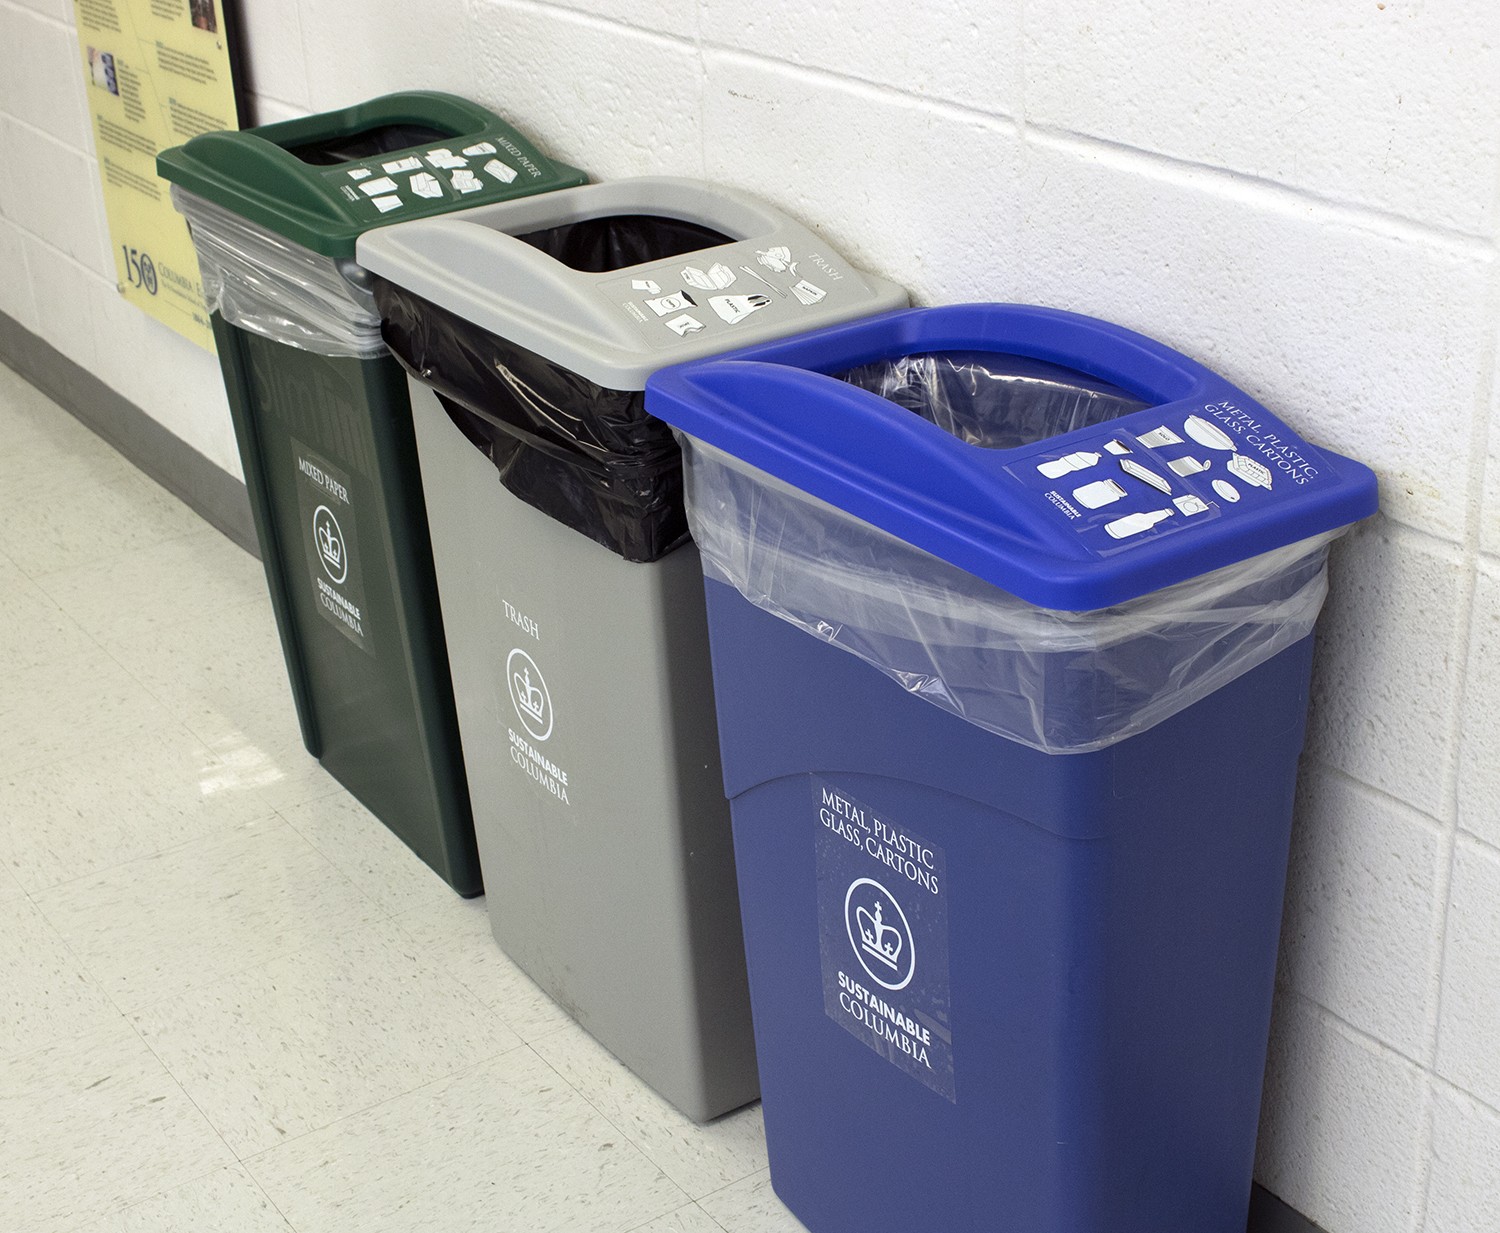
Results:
x,y
222,502
1268,1214
213,493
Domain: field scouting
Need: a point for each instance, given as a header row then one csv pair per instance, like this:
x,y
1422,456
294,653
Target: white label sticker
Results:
x,y
375,187
684,325
533,707
425,184
386,204
467,182
501,171
360,173
673,303
735,308
410,163
883,936
324,500
478,148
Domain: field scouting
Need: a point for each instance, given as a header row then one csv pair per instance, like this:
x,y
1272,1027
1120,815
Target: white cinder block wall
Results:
x,y
1301,194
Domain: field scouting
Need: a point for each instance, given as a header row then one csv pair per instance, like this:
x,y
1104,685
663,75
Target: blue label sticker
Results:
x,y
883,932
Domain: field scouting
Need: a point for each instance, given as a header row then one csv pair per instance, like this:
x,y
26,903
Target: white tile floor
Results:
x,y
230,1000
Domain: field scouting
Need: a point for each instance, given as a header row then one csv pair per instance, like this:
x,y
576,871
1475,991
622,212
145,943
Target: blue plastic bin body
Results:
x,y
998,988
1111,933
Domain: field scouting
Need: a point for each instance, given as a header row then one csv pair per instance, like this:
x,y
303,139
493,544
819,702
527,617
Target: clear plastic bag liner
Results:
x,y
1059,682
994,401
587,456
264,283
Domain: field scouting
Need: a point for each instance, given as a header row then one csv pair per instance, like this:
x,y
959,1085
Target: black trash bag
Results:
x,y
600,245
587,456
992,400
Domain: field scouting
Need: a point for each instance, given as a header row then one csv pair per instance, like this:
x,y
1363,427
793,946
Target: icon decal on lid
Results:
x,y
715,278
1079,460
1158,437
1134,524
684,325
1206,433
1252,472
735,308
1136,471
501,171
1226,490
673,303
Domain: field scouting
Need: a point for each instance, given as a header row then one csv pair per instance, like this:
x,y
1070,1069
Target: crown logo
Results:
x,y
529,697
876,938
329,545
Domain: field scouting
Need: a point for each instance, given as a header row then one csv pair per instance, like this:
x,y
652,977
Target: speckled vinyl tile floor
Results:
x,y
230,999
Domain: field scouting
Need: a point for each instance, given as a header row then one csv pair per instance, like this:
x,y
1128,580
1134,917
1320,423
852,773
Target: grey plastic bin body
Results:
x,y
582,679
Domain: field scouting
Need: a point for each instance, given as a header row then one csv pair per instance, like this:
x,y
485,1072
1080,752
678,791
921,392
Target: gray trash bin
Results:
x,y
577,636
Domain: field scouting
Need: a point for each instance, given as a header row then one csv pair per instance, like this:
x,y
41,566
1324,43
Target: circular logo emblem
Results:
x,y
330,544
528,694
880,934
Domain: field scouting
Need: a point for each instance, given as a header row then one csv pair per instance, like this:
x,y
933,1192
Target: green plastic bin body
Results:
x,y
323,423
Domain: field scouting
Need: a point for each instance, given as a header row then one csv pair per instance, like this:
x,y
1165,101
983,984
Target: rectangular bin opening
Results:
x,y
382,139
993,400
616,241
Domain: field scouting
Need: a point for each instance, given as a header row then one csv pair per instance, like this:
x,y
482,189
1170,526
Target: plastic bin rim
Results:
x,y
221,167
775,408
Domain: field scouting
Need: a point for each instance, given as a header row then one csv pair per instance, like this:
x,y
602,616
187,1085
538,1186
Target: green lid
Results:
x,y
324,180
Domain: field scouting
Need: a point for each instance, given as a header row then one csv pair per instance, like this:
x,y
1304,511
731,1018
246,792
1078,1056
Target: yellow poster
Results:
x,y
156,73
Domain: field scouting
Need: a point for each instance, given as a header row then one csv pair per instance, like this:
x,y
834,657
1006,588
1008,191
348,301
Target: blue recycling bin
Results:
x,y
1011,617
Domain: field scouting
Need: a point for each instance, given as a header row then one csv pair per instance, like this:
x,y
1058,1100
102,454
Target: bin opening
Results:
x,y
616,241
382,139
993,400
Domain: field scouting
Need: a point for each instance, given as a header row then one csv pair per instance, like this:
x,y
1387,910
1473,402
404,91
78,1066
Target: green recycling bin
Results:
x,y
324,425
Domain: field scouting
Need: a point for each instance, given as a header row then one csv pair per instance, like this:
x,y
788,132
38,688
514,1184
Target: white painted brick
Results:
x,y
947,49
174,381
59,203
612,101
1362,898
355,51
270,33
1393,106
1469,1027
1489,510
41,80
1341,1124
1385,680
844,158
267,110
63,290
62,10
1368,343
1464,1191
16,300
675,17
1479,734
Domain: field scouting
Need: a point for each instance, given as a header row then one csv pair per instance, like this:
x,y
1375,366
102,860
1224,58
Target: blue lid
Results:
x,y
1203,477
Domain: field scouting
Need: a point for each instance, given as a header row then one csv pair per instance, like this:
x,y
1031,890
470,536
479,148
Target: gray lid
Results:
x,y
617,328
